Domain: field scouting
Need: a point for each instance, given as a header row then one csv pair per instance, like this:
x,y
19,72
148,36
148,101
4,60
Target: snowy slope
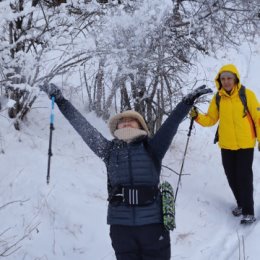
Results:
x,y
66,219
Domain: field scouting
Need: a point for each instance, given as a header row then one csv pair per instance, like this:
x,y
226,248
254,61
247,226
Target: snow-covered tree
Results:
x,y
128,54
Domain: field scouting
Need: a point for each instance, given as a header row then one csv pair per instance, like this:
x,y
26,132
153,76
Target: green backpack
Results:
x,y
168,205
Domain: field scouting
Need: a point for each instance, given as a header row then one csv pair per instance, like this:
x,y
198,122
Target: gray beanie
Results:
x,y
227,74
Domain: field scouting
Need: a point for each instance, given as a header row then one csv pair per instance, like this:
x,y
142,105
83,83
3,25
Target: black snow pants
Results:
x,y
238,168
148,242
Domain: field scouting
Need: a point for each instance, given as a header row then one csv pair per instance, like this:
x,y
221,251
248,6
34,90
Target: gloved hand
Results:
x,y
194,113
191,97
259,146
51,90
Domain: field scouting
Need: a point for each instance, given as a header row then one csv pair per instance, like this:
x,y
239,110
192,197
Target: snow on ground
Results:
x,y
66,219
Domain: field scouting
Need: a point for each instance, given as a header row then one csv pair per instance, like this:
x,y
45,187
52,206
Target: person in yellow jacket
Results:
x,y
237,134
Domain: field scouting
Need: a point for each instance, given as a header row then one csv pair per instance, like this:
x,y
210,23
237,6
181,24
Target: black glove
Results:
x,y
51,90
194,113
259,146
191,97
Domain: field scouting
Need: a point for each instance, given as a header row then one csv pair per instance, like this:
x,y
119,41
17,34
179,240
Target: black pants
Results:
x,y
149,242
238,168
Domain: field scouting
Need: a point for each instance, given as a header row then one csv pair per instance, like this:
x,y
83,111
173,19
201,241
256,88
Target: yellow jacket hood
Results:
x,y
230,68
236,131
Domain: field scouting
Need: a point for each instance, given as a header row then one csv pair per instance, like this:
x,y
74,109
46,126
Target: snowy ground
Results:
x,y
67,219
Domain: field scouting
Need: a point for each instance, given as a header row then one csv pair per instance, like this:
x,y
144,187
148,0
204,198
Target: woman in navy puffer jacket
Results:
x,y
133,160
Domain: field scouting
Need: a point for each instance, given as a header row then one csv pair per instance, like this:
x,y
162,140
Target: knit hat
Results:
x,y
113,122
227,74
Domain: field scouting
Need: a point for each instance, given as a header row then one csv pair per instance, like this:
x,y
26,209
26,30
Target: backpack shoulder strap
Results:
x,y
242,96
217,99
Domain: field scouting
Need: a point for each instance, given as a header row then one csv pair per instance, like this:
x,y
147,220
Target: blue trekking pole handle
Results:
x,y
50,139
52,110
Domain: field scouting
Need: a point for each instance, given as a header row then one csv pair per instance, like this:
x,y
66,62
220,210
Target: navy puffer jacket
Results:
x,y
129,164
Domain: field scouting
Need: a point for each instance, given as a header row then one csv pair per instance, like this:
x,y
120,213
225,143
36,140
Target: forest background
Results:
x,y
106,56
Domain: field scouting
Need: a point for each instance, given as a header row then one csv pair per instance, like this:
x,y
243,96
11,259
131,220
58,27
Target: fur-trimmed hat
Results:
x,y
113,122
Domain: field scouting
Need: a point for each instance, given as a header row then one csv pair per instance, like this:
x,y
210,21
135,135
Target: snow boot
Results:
x,y
237,211
248,219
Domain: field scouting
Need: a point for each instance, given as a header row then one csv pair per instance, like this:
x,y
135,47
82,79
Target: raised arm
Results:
x,y
93,138
163,137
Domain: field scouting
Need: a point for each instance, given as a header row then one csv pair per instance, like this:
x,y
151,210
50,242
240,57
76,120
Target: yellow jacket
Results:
x,y
235,131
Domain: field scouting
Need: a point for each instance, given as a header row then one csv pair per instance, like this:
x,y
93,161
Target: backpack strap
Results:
x,y
217,98
243,98
216,136
242,95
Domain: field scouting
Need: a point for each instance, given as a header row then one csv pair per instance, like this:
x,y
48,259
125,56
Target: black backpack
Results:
x,y
242,96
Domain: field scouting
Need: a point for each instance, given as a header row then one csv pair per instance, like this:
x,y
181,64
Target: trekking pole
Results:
x,y
50,139
182,165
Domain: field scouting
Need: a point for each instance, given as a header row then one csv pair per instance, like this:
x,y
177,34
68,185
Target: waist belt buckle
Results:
x,y
122,194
